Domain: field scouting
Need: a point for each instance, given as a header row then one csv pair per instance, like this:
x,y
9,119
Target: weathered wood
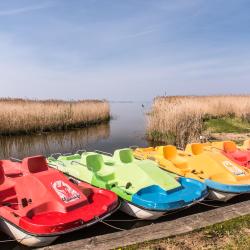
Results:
x,y
157,231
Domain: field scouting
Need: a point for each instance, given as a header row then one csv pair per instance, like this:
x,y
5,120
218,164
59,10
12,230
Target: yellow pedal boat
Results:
x,y
224,178
238,154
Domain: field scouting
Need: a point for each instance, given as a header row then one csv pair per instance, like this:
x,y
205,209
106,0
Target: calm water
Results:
x,y
126,129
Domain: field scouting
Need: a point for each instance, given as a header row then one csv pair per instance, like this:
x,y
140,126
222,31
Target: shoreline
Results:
x,y
55,129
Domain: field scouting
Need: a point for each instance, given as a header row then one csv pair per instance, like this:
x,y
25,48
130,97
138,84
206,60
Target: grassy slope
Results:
x,y
232,234
214,126
227,125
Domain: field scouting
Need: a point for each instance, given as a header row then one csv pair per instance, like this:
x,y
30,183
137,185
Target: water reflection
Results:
x,y
22,146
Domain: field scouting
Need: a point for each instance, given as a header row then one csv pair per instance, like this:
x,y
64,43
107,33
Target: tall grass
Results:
x,y
180,119
19,116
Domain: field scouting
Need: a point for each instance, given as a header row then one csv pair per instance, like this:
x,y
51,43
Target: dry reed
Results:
x,y
20,116
179,119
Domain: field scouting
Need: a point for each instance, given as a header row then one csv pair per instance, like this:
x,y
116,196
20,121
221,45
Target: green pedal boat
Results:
x,y
147,191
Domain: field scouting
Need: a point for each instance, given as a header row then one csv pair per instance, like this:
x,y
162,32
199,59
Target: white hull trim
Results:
x,y
140,213
40,241
25,238
220,196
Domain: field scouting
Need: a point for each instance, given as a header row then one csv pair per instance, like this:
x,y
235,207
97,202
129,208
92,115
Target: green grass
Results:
x,y
159,137
231,234
227,125
229,227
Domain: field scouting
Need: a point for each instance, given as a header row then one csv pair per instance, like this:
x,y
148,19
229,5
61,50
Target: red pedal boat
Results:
x,y
238,155
38,204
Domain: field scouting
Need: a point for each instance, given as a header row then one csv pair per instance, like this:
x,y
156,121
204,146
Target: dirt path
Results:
x,y
229,136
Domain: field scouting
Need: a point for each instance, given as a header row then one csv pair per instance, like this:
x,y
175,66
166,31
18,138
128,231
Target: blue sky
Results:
x,y
123,49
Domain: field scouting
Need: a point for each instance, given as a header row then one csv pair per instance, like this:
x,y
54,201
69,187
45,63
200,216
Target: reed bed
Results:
x,y
180,119
19,116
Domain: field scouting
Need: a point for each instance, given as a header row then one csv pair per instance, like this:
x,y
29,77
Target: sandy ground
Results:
x,y
230,136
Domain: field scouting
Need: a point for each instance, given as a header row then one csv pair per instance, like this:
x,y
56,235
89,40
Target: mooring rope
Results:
x,y
107,224
139,219
123,220
209,205
18,240
5,241
129,220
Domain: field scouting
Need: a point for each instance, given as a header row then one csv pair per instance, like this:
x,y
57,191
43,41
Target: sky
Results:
x,y
123,49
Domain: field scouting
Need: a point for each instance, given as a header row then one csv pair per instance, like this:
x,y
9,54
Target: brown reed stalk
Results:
x,y
179,119
18,116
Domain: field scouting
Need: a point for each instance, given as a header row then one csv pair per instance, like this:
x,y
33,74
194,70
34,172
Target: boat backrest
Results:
x,y
159,149
2,176
94,162
169,152
124,155
197,148
229,147
35,164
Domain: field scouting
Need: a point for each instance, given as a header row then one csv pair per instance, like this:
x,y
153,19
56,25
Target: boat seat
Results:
x,y
147,150
7,190
197,148
170,153
126,156
96,164
13,173
229,147
106,173
35,164
72,157
12,169
110,163
240,156
159,149
2,176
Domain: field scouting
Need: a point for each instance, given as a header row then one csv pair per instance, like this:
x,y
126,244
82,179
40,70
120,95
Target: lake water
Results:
x,y
125,129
